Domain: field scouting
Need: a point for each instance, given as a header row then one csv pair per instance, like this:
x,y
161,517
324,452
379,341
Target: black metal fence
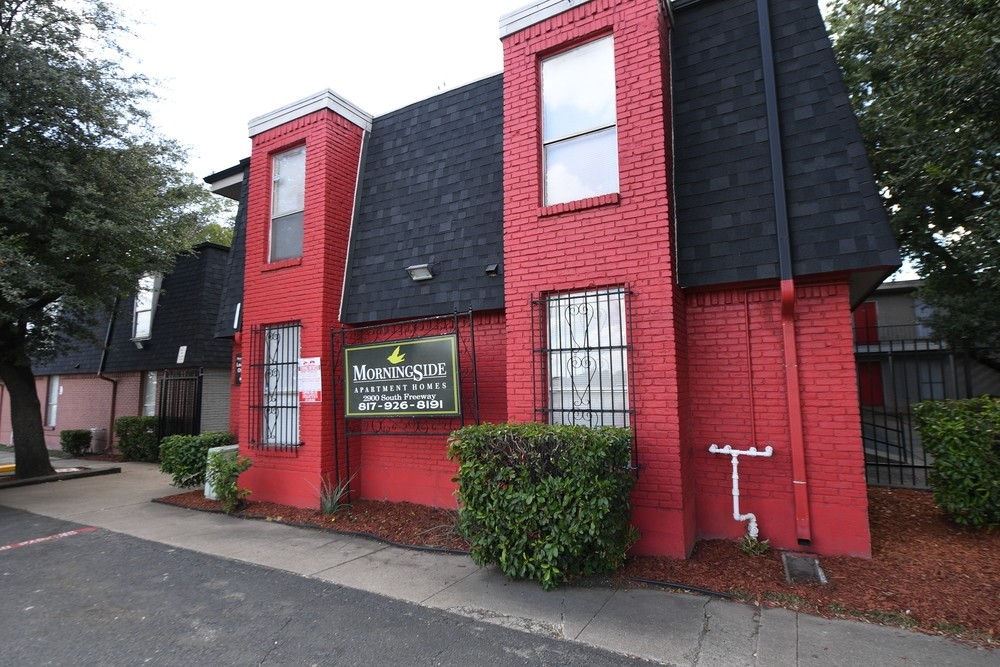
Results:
x,y
896,370
178,407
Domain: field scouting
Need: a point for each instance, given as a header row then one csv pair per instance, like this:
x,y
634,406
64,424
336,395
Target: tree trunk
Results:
x,y
30,454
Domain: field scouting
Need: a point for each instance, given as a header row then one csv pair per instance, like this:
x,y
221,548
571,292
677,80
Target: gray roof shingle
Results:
x,y
431,193
725,204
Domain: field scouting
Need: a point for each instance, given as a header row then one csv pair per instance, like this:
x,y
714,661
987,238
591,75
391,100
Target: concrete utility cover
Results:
x,y
802,569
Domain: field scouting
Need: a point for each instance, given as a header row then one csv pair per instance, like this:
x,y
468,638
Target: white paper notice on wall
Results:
x,y
310,380
181,353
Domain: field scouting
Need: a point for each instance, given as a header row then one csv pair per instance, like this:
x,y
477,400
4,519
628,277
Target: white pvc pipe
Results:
x,y
736,454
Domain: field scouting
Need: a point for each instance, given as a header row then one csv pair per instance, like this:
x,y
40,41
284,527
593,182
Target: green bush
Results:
x,y
75,441
223,473
963,437
185,457
545,502
137,438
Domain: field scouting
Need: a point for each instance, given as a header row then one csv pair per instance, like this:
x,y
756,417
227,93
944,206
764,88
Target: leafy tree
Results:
x,y
924,79
90,197
215,232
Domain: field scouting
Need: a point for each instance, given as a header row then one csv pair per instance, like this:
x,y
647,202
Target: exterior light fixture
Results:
x,y
420,272
493,269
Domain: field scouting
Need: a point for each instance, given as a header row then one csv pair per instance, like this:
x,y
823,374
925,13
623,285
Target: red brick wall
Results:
x,y
305,290
739,397
621,239
417,469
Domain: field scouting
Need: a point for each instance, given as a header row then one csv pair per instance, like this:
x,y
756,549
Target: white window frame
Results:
x,y
287,204
588,381
149,387
579,122
144,311
52,401
282,348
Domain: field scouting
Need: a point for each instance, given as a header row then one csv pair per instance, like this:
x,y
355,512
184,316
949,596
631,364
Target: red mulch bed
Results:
x,y
926,573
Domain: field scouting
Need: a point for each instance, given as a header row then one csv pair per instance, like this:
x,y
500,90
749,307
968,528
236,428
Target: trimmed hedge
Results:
x,y
137,438
964,439
545,502
185,457
75,441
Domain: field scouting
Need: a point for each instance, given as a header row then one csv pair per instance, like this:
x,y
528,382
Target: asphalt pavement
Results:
x,y
296,586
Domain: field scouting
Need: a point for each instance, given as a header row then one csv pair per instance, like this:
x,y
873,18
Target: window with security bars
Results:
x,y
274,419
587,358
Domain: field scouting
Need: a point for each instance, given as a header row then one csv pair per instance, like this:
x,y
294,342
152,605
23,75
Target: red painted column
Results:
x,y
618,239
305,290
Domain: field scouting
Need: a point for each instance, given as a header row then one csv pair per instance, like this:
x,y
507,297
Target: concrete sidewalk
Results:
x,y
667,627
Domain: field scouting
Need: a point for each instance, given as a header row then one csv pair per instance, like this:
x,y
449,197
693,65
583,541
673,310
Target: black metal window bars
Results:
x,y
274,409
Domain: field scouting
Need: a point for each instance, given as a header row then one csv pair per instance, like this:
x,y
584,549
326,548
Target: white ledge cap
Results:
x,y
326,99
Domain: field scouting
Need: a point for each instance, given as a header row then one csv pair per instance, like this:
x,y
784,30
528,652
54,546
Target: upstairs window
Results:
x,y
146,297
288,196
579,123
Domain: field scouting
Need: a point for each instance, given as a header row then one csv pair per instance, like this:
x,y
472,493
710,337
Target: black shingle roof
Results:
x,y
725,205
431,182
232,286
185,314
431,192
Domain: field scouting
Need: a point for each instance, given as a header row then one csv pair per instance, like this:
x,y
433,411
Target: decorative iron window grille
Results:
x,y
584,354
274,411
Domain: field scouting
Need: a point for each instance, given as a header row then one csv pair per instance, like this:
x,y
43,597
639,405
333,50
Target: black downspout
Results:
x,y
114,383
791,358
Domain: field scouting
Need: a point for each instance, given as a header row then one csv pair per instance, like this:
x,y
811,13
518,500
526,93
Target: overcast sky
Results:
x,y
219,63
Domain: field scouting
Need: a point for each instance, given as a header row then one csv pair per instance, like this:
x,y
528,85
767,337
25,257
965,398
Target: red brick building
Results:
x,y
659,215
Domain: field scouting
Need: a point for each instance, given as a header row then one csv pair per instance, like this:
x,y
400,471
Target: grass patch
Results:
x,y
53,453
785,599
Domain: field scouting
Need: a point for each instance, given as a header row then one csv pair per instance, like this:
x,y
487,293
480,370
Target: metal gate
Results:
x,y
178,408
895,371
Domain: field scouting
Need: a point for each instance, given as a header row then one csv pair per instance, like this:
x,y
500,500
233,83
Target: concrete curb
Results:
x,y
59,477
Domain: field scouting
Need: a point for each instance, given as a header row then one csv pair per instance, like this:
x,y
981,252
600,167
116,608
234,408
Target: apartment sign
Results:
x,y
417,377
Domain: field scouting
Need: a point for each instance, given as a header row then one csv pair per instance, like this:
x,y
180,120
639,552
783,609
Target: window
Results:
x,y
146,297
922,314
930,376
587,358
52,401
275,420
287,203
149,394
579,131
